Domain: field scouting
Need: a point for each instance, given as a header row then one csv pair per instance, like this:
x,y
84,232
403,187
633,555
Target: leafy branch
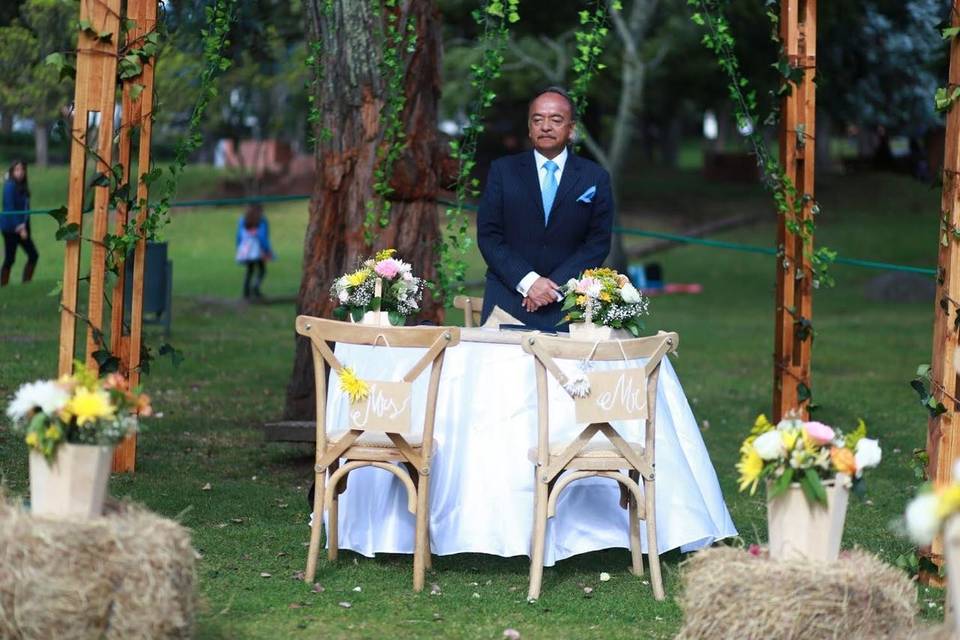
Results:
x,y
494,19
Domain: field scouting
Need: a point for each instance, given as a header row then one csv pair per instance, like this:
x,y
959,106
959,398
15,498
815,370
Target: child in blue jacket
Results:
x,y
253,248
16,227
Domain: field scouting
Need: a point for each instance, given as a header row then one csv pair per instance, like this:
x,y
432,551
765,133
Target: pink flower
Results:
x,y
755,550
818,432
388,268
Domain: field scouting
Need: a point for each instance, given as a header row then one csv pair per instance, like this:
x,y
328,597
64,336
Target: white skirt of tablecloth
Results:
x,y
482,482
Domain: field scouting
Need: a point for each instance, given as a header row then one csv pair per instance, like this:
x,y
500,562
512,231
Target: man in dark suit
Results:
x,y
546,215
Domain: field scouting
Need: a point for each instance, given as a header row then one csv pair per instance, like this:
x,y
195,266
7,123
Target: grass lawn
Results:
x,y
253,518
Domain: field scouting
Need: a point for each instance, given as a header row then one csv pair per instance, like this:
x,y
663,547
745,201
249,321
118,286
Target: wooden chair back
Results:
x,y
547,350
472,307
321,332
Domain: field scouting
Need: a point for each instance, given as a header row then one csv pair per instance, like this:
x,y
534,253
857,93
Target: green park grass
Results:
x,y
252,519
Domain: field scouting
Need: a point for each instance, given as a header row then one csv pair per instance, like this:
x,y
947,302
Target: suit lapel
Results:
x,y
531,180
572,176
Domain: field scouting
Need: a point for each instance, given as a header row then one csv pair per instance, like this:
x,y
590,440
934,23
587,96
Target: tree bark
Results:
x,y
350,98
41,140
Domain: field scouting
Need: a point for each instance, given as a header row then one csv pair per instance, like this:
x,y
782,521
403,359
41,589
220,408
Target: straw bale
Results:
x,y
129,574
731,593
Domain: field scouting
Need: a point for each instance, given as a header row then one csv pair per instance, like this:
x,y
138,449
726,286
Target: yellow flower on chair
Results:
x,y
356,388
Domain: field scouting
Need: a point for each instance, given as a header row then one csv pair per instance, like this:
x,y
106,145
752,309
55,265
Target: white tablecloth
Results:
x,y
482,482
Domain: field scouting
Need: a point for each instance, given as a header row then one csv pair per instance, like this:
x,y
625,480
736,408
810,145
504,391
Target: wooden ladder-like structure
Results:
x,y
94,108
794,293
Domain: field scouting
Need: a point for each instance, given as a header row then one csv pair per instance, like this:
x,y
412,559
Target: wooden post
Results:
x,y
794,301
96,87
943,431
95,93
136,114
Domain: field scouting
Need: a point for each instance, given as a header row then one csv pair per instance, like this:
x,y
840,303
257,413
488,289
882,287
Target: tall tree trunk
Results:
x,y
41,139
350,99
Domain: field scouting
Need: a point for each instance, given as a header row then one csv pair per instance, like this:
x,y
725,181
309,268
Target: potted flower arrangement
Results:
x,y
809,469
383,290
602,301
936,511
71,426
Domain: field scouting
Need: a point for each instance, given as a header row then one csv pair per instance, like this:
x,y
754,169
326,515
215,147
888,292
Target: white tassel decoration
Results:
x,y
578,386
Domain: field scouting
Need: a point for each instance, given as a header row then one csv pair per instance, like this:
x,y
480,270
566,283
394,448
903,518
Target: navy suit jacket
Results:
x,y
514,240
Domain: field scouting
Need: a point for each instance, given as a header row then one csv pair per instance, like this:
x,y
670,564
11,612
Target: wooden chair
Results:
x,y
340,452
608,456
472,307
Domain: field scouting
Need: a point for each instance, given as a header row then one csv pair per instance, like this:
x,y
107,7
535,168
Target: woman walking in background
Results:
x,y
253,248
16,227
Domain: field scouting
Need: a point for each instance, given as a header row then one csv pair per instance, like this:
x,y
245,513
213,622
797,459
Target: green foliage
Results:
x,y
590,39
28,85
397,44
494,20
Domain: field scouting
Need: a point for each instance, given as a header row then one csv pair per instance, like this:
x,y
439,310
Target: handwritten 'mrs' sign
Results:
x,y
614,395
386,409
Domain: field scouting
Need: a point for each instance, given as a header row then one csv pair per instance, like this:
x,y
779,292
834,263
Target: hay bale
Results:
x,y
730,593
129,574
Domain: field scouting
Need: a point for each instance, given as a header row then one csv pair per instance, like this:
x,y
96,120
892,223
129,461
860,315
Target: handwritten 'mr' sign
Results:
x,y
614,395
386,409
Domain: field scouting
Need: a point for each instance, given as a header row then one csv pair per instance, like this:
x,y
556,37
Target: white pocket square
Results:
x,y
587,196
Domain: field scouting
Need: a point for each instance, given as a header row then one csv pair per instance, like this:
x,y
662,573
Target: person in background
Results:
x,y
16,227
253,248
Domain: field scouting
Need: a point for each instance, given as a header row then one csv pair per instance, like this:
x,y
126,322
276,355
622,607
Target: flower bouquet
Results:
x,y
383,290
600,301
934,511
809,468
71,426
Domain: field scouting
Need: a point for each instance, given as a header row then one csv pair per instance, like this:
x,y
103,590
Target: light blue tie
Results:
x,y
549,189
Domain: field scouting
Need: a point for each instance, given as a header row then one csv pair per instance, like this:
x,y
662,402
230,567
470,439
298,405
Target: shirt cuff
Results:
x,y
527,282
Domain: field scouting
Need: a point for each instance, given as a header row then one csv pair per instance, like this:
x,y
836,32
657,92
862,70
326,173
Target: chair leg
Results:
x,y
539,537
636,551
421,546
319,491
653,551
333,527
428,556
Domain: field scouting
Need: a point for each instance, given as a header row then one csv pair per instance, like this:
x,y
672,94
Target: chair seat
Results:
x,y
375,440
597,448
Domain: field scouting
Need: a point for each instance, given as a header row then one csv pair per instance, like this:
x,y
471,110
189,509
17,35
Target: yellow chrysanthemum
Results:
x,y
384,254
750,467
605,296
582,300
52,432
761,424
358,277
949,502
32,440
87,406
356,388
789,438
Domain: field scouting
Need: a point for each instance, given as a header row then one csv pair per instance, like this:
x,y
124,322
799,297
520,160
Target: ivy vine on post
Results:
x,y
590,39
397,41
494,19
131,57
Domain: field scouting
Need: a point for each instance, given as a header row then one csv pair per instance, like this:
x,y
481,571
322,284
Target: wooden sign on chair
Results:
x,y
614,395
386,409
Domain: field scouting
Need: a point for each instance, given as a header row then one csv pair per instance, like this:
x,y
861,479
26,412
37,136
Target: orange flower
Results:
x,y
843,460
143,407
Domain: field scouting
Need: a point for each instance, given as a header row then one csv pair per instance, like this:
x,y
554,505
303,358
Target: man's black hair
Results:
x,y
560,91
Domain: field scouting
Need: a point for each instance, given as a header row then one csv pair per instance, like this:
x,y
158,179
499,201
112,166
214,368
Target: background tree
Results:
x,y
347,38
29,87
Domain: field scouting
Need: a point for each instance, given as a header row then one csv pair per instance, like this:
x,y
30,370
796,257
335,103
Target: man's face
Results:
x,y
550,124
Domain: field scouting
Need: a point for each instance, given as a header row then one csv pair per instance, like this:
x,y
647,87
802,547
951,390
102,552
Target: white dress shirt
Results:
x,y
540,159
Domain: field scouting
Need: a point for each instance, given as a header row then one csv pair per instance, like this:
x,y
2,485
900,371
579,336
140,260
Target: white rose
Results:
x,y
921,516
571,284
630,294
769,445
867,454
594,290
343,296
